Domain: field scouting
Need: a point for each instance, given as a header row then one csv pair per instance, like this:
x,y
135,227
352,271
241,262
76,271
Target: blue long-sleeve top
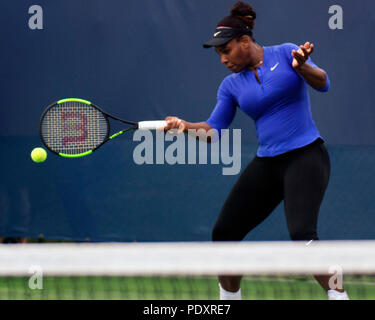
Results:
x,y
280,105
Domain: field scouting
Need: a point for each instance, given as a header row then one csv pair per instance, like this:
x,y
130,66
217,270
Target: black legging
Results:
x,y
299,177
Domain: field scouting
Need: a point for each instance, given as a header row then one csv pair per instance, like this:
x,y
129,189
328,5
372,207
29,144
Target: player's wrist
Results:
x,y
300,68
185,124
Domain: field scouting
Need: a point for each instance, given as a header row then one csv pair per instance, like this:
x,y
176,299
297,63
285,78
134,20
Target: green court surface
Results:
x,y
177,288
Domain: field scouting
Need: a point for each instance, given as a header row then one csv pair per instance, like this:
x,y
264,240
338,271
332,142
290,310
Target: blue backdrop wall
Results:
x,y
143,59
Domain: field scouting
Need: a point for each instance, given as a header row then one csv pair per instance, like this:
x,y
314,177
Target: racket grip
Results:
x,y
151,125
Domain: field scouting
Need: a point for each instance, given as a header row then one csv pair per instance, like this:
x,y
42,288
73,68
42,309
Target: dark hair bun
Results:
x,y
245,12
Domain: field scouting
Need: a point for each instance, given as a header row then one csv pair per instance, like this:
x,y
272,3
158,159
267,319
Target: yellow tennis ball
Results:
x,y
38,155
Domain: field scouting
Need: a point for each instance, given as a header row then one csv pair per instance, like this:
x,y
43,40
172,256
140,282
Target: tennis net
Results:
x,y
178,271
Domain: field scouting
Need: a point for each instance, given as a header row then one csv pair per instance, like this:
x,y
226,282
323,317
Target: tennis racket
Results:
x,y
74,128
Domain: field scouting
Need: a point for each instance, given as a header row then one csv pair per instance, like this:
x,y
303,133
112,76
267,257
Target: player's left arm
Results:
x,y
315,77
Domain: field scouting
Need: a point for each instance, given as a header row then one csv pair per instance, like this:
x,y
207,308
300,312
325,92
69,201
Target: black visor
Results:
x,y
223,35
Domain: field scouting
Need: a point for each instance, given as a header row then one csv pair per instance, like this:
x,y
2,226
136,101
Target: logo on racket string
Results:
x,y
74,122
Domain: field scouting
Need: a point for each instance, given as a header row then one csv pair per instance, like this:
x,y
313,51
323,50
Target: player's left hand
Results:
x,y
302,54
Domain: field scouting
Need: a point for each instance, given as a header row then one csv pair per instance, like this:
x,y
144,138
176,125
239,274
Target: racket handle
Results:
x,y
151,125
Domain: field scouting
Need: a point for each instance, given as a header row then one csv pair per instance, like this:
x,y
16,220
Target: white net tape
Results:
x,y
355,257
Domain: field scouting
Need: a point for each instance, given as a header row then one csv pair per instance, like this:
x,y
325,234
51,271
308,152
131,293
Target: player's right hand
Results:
x,y
175,123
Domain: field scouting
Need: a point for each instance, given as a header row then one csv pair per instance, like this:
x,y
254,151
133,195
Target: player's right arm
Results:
x,y
185,126
220,118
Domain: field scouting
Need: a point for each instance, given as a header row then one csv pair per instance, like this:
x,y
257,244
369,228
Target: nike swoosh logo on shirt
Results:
x,y
274,67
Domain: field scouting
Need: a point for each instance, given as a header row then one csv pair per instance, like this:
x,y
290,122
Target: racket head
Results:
x,y
73,127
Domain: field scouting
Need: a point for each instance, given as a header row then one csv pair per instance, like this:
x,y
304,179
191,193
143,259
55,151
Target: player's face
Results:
x,y
234,55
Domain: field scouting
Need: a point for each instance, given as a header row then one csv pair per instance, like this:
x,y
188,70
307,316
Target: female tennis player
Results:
x,y
269,83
